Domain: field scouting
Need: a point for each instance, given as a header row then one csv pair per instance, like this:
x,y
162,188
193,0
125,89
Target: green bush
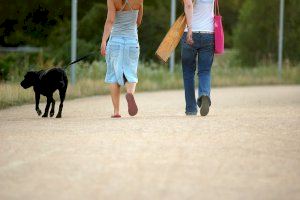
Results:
x,y
256,35
5,64
90,30
14,65
90,27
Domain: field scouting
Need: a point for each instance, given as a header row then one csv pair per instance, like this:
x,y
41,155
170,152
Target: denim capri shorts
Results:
x,y
122,59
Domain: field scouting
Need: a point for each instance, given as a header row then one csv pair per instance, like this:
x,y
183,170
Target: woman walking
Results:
x,y
198,50
122,50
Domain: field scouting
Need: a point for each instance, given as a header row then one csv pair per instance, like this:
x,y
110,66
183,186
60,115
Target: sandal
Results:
x,y
116,116
132,107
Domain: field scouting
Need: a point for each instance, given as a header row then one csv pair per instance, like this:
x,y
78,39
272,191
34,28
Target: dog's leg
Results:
x,y
62,94
49,100
37,102
52,111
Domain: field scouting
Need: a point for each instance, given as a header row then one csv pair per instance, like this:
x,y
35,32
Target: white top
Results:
x,y
203,16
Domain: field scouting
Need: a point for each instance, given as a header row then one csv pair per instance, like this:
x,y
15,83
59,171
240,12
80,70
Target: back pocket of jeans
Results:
x,y
114,50
134,53
208,40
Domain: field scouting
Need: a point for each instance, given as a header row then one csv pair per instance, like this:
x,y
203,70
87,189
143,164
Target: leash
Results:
x,y
80,59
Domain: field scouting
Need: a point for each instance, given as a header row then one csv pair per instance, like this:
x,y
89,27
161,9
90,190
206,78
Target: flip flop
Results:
x,y
132,107
116,116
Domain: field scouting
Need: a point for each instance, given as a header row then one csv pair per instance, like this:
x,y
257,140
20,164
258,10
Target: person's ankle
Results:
x,y
116,112
191,113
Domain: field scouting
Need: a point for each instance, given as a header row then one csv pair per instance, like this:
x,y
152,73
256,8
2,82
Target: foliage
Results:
x,y
229,10
90,80
14,65
251,26
47,24
152,30
292,31
256,35
30,23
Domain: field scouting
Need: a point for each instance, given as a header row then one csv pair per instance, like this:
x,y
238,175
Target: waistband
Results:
x,y
123,39
203,32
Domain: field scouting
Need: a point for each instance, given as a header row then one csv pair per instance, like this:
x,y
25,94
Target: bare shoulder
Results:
x,y
140,2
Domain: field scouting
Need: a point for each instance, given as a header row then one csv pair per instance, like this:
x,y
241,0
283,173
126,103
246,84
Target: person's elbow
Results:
x,y
188,4
110,21
139,22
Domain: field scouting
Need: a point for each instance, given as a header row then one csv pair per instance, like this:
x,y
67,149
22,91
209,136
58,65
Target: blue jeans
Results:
x,y
202,54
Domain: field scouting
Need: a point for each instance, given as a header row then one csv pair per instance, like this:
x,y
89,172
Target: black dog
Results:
x,y
46,82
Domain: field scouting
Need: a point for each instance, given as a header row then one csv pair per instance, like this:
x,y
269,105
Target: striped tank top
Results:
x,y
125,23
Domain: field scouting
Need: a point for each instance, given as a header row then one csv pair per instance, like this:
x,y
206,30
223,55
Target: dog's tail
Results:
x,y
80,59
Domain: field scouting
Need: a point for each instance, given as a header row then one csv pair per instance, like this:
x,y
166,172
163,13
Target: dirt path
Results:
x,y
247,148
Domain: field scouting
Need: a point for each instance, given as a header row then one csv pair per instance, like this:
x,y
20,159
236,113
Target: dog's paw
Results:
x,y
39,112
52,113
44,116
58,116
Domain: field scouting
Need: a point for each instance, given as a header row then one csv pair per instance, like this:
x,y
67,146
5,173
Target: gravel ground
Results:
x,y
247,148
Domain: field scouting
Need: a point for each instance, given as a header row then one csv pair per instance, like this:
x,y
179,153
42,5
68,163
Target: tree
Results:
x,y
256,35
229,9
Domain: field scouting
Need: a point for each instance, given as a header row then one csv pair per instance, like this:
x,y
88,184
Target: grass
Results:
x,y
152,77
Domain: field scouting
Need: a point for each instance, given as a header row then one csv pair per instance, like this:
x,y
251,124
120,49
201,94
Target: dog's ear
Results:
x,y
32,76
39,72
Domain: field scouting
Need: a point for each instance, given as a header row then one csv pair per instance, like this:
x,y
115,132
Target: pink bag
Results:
x,y
219,33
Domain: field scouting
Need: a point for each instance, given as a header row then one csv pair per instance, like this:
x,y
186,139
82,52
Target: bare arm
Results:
x,y
111,13
140,16
188,10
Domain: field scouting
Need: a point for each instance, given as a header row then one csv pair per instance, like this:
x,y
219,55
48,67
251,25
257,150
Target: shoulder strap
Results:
x,y
126,2
129,4
217,9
